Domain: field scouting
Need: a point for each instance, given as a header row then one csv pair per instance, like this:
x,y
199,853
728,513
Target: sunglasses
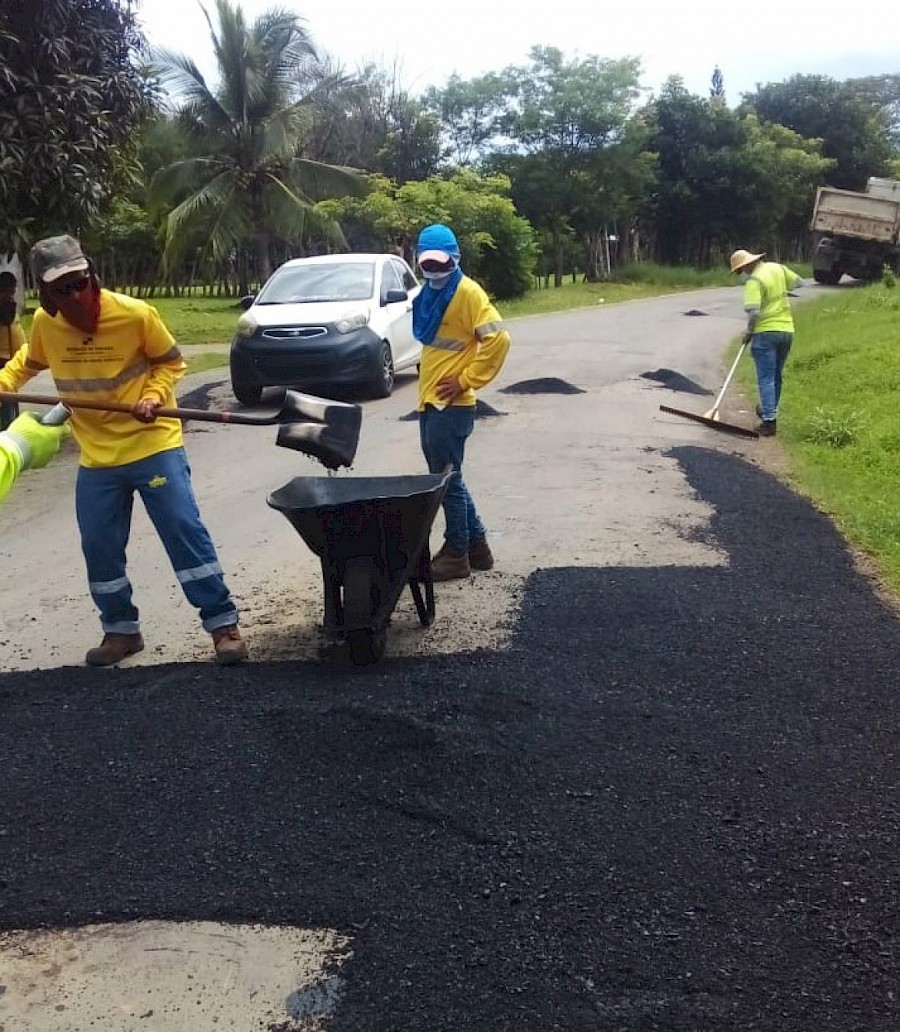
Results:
x,y
72,287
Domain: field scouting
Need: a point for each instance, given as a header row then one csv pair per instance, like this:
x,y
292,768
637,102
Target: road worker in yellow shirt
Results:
x,y
106,347
27,444
464,346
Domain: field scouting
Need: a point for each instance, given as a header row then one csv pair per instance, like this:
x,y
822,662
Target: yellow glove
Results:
x,y
36,443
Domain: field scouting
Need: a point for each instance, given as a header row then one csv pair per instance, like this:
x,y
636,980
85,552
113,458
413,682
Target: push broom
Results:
x,y
711,416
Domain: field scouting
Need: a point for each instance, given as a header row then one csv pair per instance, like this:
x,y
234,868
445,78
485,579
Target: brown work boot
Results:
x,y
450,565
480,555
230,646
113,649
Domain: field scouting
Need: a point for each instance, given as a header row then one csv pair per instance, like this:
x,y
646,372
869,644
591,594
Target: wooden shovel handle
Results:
x,y
175,413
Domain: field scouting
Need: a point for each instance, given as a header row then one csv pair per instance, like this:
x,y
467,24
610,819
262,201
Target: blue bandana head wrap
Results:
x,y
438,243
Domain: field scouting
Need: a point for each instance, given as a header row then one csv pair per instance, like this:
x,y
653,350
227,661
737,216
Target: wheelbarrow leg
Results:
x,y
331,579
366,634
422,578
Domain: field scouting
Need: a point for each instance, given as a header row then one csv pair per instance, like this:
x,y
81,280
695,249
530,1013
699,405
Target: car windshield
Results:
x,y
340,281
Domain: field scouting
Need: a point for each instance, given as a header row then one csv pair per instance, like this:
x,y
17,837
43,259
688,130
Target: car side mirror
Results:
x,y
393,297
246,301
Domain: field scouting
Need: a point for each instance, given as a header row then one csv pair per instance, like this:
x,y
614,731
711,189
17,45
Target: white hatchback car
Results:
x,y
333,321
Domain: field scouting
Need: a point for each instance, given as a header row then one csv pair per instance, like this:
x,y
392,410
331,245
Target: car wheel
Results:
x,y
243,385
383,379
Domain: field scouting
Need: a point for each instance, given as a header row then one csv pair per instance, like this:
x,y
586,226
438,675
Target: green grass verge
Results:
x,y
838,418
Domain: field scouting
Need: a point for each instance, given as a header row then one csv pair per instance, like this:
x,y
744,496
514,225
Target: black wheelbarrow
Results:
x,y
371,535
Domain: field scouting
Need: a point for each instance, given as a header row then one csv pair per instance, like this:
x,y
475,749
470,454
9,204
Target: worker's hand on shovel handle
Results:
x,y
145,410
748,336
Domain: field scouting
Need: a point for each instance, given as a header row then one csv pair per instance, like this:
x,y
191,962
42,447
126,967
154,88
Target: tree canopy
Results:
x,y
71,101
249,179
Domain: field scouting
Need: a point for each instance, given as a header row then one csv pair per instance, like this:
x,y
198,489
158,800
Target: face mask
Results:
x,y
8,310
743,277
436,280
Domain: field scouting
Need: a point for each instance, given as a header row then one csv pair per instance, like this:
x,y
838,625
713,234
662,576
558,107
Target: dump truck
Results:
x,y
857,233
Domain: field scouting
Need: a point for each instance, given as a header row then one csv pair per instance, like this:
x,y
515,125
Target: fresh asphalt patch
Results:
x,y
672,804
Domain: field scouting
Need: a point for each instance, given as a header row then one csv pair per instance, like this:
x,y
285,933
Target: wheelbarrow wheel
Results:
x,y
366,641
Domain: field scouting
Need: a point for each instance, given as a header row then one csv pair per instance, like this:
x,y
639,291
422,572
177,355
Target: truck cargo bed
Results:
x,y
846,213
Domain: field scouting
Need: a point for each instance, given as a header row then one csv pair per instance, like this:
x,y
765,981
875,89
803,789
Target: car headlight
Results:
x,y
352,322
247,325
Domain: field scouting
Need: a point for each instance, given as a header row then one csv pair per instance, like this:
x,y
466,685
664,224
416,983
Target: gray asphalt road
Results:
x,y
560,479
668,801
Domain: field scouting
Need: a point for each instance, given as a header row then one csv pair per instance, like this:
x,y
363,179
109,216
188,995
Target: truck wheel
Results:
x,y
828,277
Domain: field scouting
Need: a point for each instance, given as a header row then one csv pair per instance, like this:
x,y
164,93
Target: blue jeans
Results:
x,y
770,352
104,500
443,434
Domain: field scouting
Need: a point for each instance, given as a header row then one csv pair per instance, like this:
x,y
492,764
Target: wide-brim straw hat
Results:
x,y
742,258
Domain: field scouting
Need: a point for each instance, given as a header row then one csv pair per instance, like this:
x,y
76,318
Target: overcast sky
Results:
x,y
430,41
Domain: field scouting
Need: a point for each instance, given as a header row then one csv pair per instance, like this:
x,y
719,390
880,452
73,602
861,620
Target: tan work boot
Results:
x,y
230,645
113,649
450,565
480,555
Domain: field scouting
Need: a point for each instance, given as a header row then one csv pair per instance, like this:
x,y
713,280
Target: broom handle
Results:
x,y
734,366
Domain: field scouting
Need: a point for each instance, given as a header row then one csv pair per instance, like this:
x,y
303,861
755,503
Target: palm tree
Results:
x,y
249,184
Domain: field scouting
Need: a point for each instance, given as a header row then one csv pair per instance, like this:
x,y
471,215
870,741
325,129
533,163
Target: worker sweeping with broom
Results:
x,y
770,327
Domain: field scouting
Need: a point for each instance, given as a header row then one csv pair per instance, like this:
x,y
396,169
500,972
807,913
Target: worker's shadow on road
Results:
x,y
515,839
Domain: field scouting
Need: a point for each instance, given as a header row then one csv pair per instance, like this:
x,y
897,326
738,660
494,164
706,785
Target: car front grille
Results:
x,y
296,333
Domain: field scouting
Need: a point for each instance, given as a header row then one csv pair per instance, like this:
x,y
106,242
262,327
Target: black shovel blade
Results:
x,y
323,429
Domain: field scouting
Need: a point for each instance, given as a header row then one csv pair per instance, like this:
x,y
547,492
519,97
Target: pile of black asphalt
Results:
x,y
673,381
673,804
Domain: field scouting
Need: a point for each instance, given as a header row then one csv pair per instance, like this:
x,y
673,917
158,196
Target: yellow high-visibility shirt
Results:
x,y
767,289
470,343
10,466
129,357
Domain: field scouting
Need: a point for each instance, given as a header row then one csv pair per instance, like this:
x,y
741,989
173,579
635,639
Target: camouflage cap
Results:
x,y
57,256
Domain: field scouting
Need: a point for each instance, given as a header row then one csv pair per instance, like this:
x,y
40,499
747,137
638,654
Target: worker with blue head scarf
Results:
x,y
464,346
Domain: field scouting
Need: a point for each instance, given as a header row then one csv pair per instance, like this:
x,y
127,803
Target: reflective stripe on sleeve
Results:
x,y
488,328
172,355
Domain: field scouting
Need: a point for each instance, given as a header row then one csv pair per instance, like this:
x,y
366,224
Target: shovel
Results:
x,y
326,430
711,416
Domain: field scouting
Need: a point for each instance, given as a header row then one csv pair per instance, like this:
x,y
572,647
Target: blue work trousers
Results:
x,y
770,351
443,434
104,501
